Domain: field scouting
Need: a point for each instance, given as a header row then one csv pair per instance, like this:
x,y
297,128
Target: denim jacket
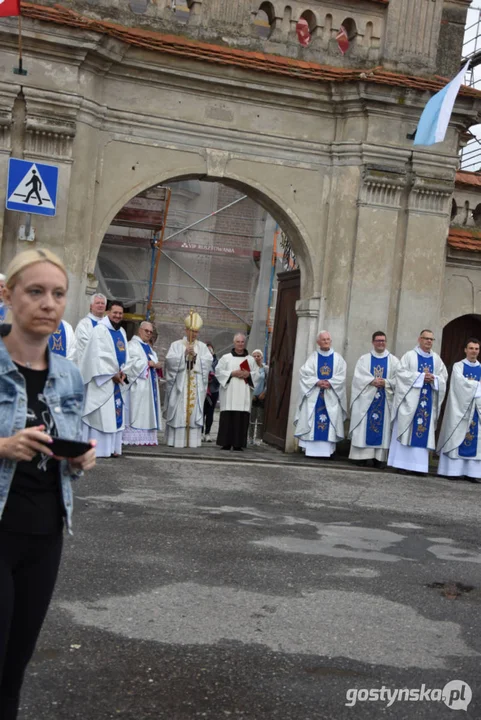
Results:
x,y
64,396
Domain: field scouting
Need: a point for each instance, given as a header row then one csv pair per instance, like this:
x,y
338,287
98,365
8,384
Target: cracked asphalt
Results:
x,y
196,588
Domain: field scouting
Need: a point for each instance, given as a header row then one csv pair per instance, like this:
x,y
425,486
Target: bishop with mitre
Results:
x,y
187,366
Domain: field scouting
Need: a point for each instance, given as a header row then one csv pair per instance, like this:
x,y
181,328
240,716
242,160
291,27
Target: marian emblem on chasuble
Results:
x,y
57,344
120,345
378,371
325,370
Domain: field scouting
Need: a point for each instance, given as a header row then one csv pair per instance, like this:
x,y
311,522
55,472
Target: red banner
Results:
x,y
9,7
342,39
303,32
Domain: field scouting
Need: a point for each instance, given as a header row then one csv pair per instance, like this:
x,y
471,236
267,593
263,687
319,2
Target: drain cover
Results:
x,y
451,589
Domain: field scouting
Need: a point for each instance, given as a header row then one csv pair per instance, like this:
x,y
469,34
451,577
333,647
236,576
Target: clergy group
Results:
x,y
395,407
395,404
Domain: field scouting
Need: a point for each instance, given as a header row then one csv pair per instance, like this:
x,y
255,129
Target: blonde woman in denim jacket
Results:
x,y
41,396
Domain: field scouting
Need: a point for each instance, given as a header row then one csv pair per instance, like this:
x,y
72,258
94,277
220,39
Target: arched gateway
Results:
x,y
121,102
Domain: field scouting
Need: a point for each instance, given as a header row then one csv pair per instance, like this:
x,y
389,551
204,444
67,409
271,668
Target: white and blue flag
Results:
x,y
436,115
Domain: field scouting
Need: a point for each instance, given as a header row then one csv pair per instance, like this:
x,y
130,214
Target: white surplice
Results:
x,y
98,365
83,331
177,397
142,407
234,393
334,398
463,399
362,396
409,384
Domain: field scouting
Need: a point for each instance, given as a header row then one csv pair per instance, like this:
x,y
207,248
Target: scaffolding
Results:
x,y
470,155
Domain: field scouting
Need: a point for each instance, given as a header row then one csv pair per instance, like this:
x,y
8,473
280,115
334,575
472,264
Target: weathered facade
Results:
x,y
123,101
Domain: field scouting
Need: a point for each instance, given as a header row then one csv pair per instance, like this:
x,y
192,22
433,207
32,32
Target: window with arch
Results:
x,y
264,20
351,29
311,20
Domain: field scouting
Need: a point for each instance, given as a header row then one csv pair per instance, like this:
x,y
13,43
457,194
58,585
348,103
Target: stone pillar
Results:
x,y
412,33
308,318
373,271
422,280
257,335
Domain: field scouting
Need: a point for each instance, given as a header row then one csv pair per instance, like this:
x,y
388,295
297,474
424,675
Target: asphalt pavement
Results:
x,y
262,586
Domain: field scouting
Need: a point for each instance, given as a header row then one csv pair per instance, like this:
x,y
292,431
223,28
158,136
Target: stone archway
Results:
x,y
286,219
133,173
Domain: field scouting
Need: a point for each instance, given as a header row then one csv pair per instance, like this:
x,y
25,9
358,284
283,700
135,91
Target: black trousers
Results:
x,y
28,571
209,406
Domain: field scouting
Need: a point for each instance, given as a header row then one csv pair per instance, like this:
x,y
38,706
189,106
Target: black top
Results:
x,y
34,504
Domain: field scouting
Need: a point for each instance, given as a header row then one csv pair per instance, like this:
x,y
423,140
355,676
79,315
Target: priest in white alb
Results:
x,y
372,395
103,367
420,389
187,366
322,408
459,444
237,373
62,341
85,326
142,399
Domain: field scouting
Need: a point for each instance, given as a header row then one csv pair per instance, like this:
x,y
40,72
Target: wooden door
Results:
x,y
455,335
282,359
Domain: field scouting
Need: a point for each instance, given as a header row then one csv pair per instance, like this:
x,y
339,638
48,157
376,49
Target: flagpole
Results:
x,y
19,70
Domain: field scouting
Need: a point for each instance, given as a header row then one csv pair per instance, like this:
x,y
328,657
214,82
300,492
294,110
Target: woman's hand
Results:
x,y
25,444
85,461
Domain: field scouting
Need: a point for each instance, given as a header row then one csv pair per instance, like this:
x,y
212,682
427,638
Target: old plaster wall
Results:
x,y
462,291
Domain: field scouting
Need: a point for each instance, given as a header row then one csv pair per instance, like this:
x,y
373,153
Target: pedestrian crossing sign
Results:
x,y
32,187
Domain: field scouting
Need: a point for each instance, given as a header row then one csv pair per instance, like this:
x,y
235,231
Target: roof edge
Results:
x,y
246,59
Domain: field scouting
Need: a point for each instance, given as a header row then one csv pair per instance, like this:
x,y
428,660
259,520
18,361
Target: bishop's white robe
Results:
x,y
335,404
98,365
142,399
177,396
407,397
64,343
459,444
235,396
363,394
83,331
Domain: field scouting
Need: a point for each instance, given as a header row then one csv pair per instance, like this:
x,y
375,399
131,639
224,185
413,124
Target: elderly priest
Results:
x,y
85,326
142,400
187,366
459,444
323,406
237,373
372,395
420,388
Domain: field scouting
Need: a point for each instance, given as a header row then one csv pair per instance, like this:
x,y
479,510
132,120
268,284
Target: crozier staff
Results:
x,y
41,397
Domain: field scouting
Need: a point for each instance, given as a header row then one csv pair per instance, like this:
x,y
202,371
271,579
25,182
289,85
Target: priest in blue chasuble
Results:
x,y
104,366
322,400
459,444
372,396
62,341
420,389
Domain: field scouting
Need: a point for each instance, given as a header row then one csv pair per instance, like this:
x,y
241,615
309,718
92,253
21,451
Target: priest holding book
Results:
x,y
237,373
